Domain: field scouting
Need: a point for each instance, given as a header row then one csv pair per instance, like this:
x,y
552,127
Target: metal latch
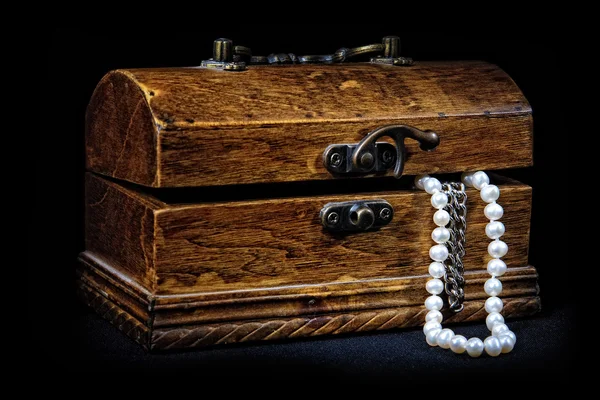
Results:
x,y
368,156
353,216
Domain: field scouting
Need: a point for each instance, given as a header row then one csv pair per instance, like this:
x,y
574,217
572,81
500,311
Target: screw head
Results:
x,y
385,213
387,157
335,160
333,218
367,160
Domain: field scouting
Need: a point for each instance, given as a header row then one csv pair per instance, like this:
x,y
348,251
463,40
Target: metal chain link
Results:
x,y
454,281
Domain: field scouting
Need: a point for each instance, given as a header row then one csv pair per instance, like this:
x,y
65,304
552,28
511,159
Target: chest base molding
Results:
x,y
184,324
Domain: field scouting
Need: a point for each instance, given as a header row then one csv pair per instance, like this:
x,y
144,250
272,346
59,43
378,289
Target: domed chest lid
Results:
x,y
175,127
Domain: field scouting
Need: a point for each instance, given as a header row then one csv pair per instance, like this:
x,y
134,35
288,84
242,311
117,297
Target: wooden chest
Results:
x,y
206,187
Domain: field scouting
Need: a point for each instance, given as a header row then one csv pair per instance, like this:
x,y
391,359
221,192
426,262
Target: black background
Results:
x,y
75,61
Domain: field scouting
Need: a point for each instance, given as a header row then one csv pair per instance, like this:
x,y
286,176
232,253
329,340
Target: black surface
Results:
x,y
542,347
74,338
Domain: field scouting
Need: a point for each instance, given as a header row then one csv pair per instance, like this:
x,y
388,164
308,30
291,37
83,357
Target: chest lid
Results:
x,y
176,127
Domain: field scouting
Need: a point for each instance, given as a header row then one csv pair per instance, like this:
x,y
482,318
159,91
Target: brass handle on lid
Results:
x,y
368,156
235,58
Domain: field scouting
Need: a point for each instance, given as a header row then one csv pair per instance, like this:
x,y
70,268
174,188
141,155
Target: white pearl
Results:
x,y
434,286
420,181
496,267
441,217
499,329
490,193
434,316
494,230
491,319
493,287
479,180
497,248
436,269
439,200
430,326
434,303
493,304
493,211
474,347
440,235
467,178
439,252
458,344
444,338
507,343
492,346
431,337
511,334
432,185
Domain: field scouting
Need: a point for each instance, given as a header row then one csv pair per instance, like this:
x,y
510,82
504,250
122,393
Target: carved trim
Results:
x,y
110,311
193,336
206,335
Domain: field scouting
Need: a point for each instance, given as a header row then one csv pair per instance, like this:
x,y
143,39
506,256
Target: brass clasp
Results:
x,y
369,157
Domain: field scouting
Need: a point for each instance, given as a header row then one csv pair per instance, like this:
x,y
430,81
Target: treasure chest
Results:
x,y
263,198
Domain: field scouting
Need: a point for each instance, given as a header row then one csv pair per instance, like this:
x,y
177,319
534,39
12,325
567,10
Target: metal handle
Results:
x,y
368,156
236,58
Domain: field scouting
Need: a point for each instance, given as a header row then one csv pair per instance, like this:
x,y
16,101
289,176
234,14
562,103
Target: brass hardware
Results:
x,y
223,57
222,50
385,214
230,58
356,216
391,51
391,46
338,158
369,157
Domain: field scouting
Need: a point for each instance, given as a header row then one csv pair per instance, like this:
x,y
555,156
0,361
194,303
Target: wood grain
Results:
x,y
198,127
286,153
329,324
276,328
116,286
158,310
114,313
192,97
406,291
280,242
187,275
121,135
238,245
119,226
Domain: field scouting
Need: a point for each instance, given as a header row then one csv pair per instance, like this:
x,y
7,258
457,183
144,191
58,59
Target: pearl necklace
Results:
x,y
502,339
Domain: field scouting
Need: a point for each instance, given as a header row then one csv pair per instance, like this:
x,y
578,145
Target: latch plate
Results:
x,y
356,216
337,158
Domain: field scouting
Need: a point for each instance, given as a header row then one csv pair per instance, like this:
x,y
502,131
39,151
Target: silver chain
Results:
x,y
454,281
